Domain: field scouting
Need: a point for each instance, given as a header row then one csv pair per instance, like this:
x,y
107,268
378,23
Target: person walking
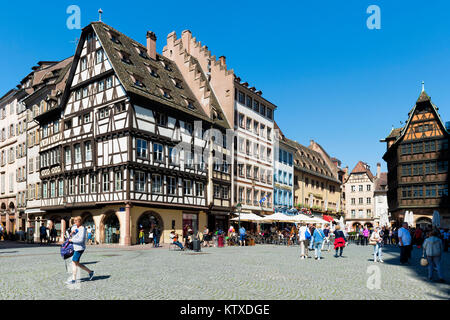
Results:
x,y
339,241
376,240
432,250
142,237
78,239
43,233
365,234
326,240
89,235
156,236
304,237
205,241
242,236
312,227
404,241
318,237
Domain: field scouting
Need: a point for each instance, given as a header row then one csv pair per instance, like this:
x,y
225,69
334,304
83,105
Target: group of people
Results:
x,y
314,237
154,236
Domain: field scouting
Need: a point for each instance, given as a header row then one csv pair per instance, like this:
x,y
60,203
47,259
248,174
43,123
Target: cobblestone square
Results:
x,y
256,273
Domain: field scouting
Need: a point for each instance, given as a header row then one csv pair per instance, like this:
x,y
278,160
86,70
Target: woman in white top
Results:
x,y
303,241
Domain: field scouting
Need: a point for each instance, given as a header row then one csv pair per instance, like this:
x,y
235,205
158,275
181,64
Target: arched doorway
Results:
x,y
147,221
368,225
111,226
89,224
424,223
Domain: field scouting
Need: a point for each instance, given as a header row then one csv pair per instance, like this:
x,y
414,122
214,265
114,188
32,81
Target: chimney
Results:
x,y
151,44
378,169
222,60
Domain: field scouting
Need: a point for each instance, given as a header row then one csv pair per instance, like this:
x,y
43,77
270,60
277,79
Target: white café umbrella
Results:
x,y
278,217
248,217
301,218
341,223
436,221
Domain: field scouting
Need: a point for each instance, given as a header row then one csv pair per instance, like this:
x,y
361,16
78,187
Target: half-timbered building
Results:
x,y
417,158
130,150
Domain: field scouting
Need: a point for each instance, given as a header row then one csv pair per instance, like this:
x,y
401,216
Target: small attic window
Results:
x,y
125,57
142,52
152,72
166,93
189,104
114,37
166,66
177,83
138,81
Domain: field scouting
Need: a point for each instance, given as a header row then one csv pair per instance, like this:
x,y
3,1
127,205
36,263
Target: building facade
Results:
x,y
417,157
250,115
283,173
359,197
380,196
316,189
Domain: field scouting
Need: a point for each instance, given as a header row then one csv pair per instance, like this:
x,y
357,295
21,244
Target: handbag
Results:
x,y
151,235
423,261
307,235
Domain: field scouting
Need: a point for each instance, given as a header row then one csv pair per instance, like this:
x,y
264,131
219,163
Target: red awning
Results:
x,y
327,218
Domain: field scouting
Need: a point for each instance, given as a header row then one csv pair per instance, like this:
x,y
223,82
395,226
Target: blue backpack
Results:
x,y
67,250
307,235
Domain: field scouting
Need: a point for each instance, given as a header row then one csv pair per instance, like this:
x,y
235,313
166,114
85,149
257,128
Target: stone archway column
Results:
x,y
36,229
63,229
126,225
8,223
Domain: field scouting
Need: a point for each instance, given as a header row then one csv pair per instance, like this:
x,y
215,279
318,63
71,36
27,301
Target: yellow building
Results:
x,y
316,184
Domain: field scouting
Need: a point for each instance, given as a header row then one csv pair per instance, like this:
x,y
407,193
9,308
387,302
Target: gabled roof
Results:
x,y
312,158
381,181
398,133
361,167
139,68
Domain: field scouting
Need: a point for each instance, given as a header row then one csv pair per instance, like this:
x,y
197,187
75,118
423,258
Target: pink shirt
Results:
x,y
366,232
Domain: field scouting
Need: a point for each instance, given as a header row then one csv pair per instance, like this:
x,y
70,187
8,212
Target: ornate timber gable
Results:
x,y
417,157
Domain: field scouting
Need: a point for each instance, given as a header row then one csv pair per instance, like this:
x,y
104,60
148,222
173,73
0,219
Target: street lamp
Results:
x,y
239,207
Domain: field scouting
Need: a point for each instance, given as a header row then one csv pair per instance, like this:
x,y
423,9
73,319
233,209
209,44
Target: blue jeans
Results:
x,y
156,242
311,243
377,252
141,240
434,262
178,244
318,248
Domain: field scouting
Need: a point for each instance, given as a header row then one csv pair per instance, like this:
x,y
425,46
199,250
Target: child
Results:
x,y
141,237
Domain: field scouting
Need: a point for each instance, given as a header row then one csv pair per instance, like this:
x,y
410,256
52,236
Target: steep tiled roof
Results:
x,y
166,71
311,161
394,133
380,182
361,168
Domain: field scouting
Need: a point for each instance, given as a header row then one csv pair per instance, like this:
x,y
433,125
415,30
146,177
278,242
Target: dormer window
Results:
x,y
177,83
115,37
166,66
125,57
138,81
190,104
153,72
166,93
143,53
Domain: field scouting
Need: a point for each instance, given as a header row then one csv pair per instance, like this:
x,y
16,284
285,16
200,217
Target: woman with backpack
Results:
x,y
432,250
304,236
339,241
78,239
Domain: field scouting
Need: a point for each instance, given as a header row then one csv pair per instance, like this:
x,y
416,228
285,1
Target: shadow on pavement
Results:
x,y
91,262
18,244
421,272
95,278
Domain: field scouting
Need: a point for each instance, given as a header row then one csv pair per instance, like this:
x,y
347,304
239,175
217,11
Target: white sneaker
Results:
x,y
380,260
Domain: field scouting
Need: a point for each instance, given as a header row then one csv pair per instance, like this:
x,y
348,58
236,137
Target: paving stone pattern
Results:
x,y
256,273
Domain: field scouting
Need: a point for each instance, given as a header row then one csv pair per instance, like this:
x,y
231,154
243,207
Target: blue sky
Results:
x,y
333,79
